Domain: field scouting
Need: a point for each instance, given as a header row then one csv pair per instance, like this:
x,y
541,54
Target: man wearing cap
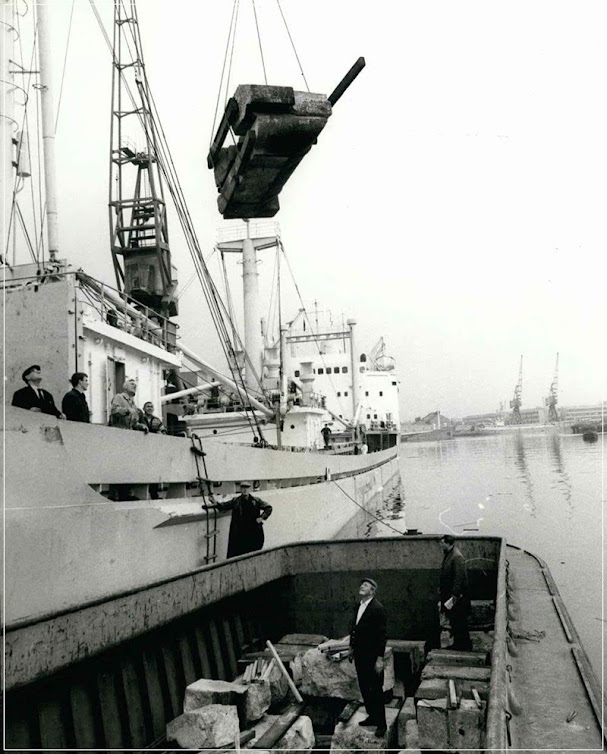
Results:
x,y
123,411
454,593
368,644
32,397
246,526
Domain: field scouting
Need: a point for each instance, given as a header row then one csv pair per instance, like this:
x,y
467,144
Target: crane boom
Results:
x,y
517,400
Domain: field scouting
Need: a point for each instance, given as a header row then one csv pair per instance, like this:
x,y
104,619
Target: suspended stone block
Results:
x,y
210,727
277,127
323,677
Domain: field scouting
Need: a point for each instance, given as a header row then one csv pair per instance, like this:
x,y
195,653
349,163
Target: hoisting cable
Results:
x,y
368,512
263,64
223,68
293,45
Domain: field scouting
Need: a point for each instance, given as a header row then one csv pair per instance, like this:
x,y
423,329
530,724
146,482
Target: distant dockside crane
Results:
x,y
517,400
552,399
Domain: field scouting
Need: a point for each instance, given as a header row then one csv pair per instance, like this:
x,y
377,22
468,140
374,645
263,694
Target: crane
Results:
x,y
138,217
552,399
517,400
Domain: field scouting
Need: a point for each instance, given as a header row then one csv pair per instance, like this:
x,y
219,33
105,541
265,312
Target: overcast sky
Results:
x,y
455,202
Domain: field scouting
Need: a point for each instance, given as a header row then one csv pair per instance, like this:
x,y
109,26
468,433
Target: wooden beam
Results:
x,y
346,81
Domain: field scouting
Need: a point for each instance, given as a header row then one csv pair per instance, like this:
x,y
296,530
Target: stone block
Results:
x,y
414,649
323,677
432,688
454,657
432,724
411,735
407,712
260,727
250,699
299,736
351,735
466,726
208,691
279,687
456,672
209,727
311,640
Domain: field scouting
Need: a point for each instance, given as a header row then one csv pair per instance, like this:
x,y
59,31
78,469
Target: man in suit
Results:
x,y
32,397
367,646
454,593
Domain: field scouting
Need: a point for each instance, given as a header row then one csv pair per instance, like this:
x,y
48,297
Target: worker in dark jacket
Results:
x,y
246,526
454,593
367,645
74,404
32,397
153,423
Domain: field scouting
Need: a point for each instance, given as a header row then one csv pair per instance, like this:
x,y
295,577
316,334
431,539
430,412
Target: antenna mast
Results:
x,y
138,218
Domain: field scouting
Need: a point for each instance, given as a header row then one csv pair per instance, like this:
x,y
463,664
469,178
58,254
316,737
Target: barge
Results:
x,y
111,674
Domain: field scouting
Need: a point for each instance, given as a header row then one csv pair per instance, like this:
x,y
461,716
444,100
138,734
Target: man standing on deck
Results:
x,y
454,593
367,645
246,526
123,411
74,403
32,397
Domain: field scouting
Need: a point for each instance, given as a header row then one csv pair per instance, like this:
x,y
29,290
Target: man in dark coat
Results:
x,y
33,397
454,593
153,423
74,404
368,644
246,526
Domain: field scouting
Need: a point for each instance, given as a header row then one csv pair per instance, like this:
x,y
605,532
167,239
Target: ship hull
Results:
x,y
67,544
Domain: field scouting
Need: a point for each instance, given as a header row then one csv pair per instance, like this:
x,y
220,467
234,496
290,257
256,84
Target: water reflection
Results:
x,y
563,481
520,461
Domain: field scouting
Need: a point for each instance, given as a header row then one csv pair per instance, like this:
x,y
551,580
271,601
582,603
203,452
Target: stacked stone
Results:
x,y
437,719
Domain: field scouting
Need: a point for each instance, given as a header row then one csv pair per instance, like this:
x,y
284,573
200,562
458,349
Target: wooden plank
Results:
x,y
83,705
52,724
452,694
203,654
277,730
454,657
477,698
110,714
239,633
456,672
346,81
348,711
187,660
283,670
154,697
134,704
217,653
232,659
169,664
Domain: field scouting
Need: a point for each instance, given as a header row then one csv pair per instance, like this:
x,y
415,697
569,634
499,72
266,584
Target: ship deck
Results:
x,y
549,672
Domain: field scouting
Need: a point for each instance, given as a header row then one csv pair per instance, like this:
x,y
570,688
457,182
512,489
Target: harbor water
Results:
x,y
541,490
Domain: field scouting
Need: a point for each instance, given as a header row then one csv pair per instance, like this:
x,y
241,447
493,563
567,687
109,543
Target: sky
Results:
x,y
455,201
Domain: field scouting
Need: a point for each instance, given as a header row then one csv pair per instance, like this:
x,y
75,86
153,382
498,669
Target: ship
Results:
x,y
72,540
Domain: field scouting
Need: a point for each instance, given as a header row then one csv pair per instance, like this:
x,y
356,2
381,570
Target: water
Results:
x,y
541,491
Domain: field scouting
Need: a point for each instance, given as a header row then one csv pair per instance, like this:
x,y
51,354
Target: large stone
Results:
x,y
206,691
323,677
412,735
250,699
279,686
406,713
299,736
351,735
432,688
209,727
432,724
466,725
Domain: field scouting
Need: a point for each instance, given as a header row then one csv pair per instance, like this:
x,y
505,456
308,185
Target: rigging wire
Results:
x,y
293,45
225,58
67,47
263,63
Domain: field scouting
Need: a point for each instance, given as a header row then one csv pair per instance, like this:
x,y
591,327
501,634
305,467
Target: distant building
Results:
x,y
573,414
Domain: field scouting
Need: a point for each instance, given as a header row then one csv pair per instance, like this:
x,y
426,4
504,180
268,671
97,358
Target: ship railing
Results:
x,y
107,304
